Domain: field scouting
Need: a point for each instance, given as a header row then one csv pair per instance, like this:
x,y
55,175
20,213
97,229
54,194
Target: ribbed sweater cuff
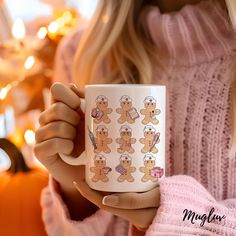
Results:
x,y
182,195
57,220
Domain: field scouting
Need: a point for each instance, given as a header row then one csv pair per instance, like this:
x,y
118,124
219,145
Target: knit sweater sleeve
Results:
x,y
57,221
187,208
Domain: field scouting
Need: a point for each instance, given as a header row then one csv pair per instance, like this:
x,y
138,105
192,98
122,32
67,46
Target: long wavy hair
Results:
x,y
115,36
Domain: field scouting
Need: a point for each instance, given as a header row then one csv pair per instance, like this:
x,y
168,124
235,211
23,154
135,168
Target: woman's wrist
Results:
x,y
78,206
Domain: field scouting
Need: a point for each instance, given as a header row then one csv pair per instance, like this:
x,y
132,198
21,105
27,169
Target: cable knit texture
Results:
x,y
197,46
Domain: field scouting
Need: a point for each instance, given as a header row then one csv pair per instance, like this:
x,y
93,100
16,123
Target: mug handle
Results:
x,y
80,160
74,161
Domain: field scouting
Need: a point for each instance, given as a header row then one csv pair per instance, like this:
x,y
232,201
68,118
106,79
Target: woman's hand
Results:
x,y
137,208
60,127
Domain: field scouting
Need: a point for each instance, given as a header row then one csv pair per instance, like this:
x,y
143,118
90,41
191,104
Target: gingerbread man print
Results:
x,y
125,140
149,165
101,112
100,169
151,138
102,140
126,110
125,169
150,111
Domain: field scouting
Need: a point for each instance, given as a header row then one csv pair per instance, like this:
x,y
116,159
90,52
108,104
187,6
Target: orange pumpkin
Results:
x,y
20,189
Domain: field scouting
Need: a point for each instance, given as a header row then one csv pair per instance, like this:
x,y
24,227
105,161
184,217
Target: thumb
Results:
x,y
133,200
64,94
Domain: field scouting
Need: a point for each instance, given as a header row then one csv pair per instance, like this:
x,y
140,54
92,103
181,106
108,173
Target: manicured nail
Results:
x,y
75,184
110,200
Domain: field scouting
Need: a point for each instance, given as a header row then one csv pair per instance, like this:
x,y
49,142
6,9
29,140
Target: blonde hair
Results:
x,y
114,42
114,33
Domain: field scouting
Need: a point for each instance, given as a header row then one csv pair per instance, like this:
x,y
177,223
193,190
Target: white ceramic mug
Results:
x,y
124,138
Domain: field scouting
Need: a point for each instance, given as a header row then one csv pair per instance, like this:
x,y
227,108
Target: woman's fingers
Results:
x,y
64,94
51,147
133,200
148,199
58,124
76,90
135,216
57,129
59,111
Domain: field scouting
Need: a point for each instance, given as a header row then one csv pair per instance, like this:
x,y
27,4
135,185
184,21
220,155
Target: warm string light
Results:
x,y
53,27
54,31
4,91
18,29
29,136
63,20
29,62
67,17
42,33
60,22
19,32
60,25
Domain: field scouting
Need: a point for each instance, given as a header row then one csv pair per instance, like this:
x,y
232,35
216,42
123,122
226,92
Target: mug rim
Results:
x,y
123,85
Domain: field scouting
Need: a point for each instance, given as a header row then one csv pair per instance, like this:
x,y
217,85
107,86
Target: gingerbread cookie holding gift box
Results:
x,y
102,140
150,111
126,110
151,138
100,169
149,165
125,169
125,140
101,111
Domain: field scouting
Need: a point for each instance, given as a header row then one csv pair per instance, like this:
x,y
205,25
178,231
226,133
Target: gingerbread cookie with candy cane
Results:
x,y
100,169
126,110
101,112
102,140
151,138
125,140
125,169
150,111
149,164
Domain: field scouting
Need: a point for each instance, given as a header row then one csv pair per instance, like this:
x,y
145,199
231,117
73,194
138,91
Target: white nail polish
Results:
x,y
110,200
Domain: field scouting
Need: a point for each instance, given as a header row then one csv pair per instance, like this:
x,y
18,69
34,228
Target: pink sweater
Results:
x,y
198,46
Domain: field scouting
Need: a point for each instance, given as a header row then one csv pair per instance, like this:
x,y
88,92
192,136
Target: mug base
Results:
x,y
123,188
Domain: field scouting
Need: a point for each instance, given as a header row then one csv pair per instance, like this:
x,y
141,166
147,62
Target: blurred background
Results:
x,y
31,31
34,36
